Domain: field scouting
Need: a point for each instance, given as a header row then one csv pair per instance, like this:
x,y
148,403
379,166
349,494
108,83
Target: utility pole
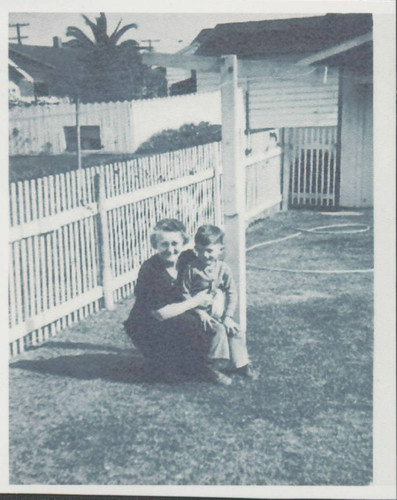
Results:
x,y
18,26
150,48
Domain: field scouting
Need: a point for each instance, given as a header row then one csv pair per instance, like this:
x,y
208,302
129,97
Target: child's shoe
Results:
x,y
246,371
219,378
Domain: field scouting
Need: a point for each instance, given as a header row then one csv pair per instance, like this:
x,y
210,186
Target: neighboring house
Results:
x,y
51,70
65,70
331,85
20,82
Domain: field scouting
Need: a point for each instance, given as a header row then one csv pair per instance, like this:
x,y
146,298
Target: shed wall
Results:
x,y
356,168
123,125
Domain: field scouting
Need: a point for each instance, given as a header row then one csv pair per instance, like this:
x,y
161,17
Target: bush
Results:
x,y
186,136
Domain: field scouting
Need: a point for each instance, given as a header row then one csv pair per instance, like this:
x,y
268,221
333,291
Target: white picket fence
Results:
x,y
63,235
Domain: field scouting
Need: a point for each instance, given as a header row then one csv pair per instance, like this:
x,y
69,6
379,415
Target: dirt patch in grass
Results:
x,y
81,411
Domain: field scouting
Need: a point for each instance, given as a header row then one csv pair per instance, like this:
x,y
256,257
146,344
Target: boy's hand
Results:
x,y
231,326
205,319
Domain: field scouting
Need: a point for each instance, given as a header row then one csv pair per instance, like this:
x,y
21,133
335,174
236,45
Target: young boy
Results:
x,y
208,272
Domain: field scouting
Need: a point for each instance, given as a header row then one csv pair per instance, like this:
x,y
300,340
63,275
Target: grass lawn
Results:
x,y
80,412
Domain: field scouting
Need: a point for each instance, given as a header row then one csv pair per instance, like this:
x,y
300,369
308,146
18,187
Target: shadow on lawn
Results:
x,y
52,344
113,367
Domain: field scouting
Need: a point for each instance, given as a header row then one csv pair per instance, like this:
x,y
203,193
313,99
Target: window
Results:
x,y
90,137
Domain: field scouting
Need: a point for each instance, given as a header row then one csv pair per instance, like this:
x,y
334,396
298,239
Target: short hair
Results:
x,y
171,226
209,235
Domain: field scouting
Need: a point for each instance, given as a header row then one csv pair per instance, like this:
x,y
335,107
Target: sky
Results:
x,y
174,31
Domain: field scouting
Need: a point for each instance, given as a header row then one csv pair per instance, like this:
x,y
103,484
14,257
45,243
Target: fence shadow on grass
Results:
x,y
106,366
53,344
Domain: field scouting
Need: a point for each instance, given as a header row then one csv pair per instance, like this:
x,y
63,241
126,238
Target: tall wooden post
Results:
x,y
234,179
78,152
104,246
286,158
217,191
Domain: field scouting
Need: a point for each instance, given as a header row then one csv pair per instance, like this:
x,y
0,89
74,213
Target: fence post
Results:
x,y
233,173
104,247
285,169
217,188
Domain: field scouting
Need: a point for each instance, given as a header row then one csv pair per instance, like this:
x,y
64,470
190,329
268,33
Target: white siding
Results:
x,y
356,144
309,100
306,101
40,128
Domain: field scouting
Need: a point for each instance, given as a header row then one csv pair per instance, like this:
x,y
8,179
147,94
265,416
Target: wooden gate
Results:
x,y
312,157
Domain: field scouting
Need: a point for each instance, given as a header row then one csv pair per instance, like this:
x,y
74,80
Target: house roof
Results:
x,y
286,38
55,66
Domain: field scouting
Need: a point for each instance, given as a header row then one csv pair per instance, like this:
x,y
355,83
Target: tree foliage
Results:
x,y
99,32
112,70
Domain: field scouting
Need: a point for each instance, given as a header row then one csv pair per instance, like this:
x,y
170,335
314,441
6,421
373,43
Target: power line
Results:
x,y
18,27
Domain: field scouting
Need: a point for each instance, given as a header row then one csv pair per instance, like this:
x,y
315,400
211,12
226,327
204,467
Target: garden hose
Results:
x,y
362,228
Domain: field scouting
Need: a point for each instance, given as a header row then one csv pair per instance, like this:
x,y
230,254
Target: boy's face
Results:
x,y
209,253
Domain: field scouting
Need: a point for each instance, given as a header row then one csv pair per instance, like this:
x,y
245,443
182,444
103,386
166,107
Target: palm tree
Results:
x,y
112,71
99,31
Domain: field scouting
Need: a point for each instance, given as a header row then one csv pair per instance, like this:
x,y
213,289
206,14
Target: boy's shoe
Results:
x,y
219,378
246,371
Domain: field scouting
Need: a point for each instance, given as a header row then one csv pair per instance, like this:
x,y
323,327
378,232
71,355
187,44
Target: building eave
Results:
x,y
336,50
21,71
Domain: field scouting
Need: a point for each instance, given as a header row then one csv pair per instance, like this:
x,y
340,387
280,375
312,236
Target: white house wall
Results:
x,y
356,169
123,125
309,100
306,101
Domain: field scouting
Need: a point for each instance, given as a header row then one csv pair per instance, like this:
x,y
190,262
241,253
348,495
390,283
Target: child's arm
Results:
x,y
230,290
231,298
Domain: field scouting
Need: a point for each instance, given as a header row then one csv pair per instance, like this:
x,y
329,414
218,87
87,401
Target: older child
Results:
x,y
207,272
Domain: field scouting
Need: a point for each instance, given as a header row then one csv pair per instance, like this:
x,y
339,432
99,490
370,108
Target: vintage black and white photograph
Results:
x,y
191,248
